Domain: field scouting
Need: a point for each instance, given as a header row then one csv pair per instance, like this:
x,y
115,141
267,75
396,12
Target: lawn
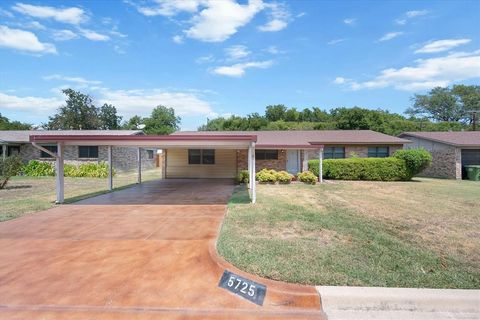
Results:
x,y
25,195
424,233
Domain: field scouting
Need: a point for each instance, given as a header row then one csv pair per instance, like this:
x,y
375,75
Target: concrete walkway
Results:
x,y
362,303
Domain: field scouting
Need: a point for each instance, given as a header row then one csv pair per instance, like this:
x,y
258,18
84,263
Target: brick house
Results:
x,y
451,151
124,158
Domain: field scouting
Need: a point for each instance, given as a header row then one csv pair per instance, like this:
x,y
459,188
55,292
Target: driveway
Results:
x,y
147,252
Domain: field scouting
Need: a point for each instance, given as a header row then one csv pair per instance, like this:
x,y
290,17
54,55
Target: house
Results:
x,y
279,150
451,151
124,158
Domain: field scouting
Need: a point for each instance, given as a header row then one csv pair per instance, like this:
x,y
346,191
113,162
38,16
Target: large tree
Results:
x,y
109,118
275,112
6,124
79,113
134,123
162,121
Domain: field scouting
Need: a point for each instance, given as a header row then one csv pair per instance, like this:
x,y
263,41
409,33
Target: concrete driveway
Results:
x,y
146,252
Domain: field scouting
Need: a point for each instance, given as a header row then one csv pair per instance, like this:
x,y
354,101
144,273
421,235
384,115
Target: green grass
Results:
x,y
25,195
423,233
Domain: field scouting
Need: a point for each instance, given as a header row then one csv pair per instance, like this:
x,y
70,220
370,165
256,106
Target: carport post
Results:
x,y
320,164
254,188
110,169
139,165
59,173
4,151
249,167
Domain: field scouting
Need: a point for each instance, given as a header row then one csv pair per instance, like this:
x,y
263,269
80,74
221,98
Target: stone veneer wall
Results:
x,y
280,164
124,158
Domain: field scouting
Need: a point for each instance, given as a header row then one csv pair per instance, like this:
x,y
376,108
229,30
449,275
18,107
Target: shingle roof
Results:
x,y
456,138
23,136
302,138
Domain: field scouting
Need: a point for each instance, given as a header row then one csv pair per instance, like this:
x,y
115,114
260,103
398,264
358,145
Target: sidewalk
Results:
x,y
343,303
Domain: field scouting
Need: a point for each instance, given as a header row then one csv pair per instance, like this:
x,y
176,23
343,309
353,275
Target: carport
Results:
x,y
241,141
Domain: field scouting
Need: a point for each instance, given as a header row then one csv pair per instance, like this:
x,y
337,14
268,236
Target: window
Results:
x,y
334,153
88,151
266,154
13,150
43,154
201,156
378,152
150,154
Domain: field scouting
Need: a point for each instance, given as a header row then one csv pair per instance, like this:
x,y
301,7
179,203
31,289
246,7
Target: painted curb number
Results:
x,y
248,289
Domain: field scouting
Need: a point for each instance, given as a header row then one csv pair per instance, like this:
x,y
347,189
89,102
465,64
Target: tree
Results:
x,y
161,121
108,117
133,123
6,124
79,113
275,112
9,167
292,115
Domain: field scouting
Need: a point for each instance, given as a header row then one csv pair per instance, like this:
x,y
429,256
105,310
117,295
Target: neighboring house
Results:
x,y
279,150
124,158
451,151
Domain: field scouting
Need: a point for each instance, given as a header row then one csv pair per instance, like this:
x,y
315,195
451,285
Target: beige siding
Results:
x,y
178,167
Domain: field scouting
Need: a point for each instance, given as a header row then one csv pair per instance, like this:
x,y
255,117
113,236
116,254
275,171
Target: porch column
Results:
x,y
139,165
305,160
254,187
249,160
110,169
59,173
4,151
320,169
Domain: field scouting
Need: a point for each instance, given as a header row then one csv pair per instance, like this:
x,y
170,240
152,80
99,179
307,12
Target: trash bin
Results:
x,y
473,172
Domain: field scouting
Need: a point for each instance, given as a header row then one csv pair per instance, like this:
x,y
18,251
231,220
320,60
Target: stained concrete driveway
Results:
x,y
146,252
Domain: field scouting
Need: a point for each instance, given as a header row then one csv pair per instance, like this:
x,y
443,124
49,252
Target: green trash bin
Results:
x,y
473,172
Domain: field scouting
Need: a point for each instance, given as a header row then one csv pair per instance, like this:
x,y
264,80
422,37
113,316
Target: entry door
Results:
x,y
293,161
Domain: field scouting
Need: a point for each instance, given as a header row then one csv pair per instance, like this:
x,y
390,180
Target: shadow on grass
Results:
x,y
240,195
17,187
94,194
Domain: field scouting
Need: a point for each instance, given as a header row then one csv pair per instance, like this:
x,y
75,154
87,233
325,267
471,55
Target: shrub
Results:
x,y
35,168
307,177
266,176
9,167
242,177
416,160
284,177
376,169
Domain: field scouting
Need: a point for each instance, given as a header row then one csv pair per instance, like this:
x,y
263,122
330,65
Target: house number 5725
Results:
x,y
243,287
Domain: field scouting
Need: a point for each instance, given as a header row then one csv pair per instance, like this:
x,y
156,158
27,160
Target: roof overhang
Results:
x,y
163,141
376,143
457,145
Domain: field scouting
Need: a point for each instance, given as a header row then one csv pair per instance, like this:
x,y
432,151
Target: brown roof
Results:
x,y
23,136
302,139
456,138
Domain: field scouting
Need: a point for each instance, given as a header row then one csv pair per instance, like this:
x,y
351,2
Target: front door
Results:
x,y
293,162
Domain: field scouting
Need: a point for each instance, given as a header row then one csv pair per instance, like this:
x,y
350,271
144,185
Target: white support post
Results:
x,y
249,160
320,169
305,160
59,173
4,151
254,187
139,165
110,169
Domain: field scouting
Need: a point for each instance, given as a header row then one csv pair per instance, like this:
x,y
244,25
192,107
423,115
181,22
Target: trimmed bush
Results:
x,y
284,177
266,176
9,167
416,160
242,177
375,169
307,177
35,168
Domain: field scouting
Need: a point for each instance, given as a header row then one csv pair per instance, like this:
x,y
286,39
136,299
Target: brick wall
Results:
x,y
280,164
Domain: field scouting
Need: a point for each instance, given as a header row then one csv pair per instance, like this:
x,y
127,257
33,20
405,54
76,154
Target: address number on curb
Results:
x,y
245,288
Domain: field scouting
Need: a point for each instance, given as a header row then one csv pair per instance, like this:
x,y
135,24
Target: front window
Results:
x,y
88,151
378,152
150,154
13,151
43,154
201,156
334,153
266,154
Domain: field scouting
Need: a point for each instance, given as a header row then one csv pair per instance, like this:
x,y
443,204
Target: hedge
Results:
x,y
416,160
35,168
375,169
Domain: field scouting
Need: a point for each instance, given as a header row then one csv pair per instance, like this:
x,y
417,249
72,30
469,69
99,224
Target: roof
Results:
x,y
23,136
454,138
308,138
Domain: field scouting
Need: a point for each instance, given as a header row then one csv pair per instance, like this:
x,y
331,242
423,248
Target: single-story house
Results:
x,y
279,150
124,158
451,151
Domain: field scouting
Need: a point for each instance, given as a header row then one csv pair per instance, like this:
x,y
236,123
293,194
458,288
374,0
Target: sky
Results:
x,y
210,58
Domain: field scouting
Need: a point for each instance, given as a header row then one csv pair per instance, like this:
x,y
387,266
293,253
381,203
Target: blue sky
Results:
x,y
207,58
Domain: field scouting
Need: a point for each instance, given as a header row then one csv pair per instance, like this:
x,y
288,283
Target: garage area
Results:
x,y
469,157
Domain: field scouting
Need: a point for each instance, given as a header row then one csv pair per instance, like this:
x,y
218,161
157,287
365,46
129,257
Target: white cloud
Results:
x,y
335,41
29,104
6,13
273,25
341,80
63,35
237,52
221,19
72,15
390,36
350,21
205,59
24,41
415,13
279,17
77,80
34,25
169,7
273,50
238,70
177,39
93,35
442,45
426,74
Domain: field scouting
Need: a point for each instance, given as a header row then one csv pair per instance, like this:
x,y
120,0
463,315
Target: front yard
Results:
x,y
424,233
25,195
